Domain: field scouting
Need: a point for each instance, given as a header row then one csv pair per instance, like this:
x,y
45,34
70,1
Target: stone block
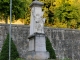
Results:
x,y
37,47
37,55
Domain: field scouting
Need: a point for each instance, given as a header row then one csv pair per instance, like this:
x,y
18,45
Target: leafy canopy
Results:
x,y
67,13
19,8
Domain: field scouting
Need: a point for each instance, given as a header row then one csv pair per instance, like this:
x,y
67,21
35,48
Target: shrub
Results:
x,y
50,49
5,50
66,59
19,59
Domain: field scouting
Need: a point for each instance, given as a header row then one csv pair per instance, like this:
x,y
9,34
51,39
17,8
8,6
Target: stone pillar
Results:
x,y
37,20
37,41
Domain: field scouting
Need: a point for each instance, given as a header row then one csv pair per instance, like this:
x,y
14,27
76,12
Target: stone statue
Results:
x,y
39,21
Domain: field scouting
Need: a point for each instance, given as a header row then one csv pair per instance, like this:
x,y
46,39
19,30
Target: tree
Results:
x,y
19,8
4,9
5,50
50,49
60,13
49,8
67,12
48,14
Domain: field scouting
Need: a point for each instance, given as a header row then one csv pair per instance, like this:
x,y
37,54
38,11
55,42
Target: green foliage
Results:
x,y
48,8
4,9
19,9
5,50
50,49
19,59
66,59
66,13
0,54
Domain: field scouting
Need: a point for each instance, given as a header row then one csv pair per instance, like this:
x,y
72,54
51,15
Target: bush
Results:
x,y
66,59
50,49
5,50
19,59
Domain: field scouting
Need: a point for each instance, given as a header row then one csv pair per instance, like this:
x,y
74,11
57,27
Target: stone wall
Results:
x,y
20,35
66,42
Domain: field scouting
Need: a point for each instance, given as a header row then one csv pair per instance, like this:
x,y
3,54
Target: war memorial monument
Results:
x,y
37,41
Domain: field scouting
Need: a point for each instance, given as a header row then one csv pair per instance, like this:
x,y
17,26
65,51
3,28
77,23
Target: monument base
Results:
x,y
33,55
37,47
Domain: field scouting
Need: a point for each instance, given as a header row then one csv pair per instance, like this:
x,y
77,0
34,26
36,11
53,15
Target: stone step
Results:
x,y
0,44
0,49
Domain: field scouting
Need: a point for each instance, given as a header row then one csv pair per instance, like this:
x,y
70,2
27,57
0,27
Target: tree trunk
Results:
x,y
6,20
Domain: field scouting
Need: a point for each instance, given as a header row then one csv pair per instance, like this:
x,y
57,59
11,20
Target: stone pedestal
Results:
x,y
37,47
37,41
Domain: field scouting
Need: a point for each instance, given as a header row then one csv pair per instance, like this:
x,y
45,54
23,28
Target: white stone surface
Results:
x,y
37,20
38,55
32,23
42,55
40,44
31,45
